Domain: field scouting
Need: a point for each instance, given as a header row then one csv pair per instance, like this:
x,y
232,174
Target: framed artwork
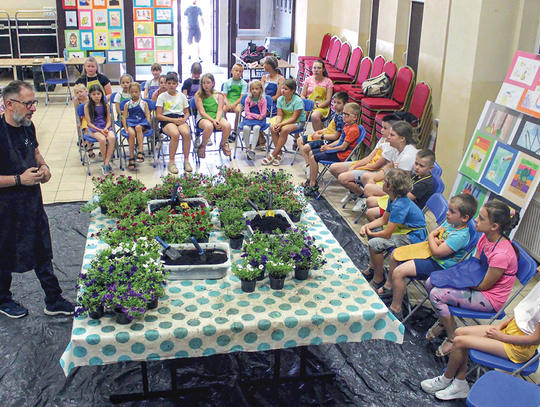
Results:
x,y
100,19
527,137
116,56
115,4
477,155
164,29
71,19
115,18
162,3
498,167
144,43
509,95
165,57
530,102
116,39
69,4
465,185
87,39
143,15
523,180
164,43
144,57
97,54
163,14
142,3
85,4
144,29
73,42
77,54
85,19
511,205
524,70
101,39
498,121
100,3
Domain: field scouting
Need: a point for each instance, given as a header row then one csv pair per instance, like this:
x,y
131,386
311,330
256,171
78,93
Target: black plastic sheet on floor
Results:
x,y
373,373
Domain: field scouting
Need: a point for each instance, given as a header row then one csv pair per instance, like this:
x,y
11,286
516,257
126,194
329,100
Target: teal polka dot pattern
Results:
x,y
204,317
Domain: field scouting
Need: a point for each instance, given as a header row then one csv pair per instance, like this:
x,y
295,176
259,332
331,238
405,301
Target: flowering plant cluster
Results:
x,y
197,222
277,267
308,256
233,221
245,271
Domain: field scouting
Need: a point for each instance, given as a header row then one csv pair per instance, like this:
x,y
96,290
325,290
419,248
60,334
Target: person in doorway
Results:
x,y
192,14
25,239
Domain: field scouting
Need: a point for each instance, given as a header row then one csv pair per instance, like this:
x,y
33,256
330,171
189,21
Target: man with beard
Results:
x,y
25,240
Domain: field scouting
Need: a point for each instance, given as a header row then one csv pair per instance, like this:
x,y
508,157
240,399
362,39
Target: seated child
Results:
x,y
81,97
349,174
192,84
125,81
324,136
233,89
162,87
403,223
515,339
337,151
255,112
423,186
136,120
153,84
447,244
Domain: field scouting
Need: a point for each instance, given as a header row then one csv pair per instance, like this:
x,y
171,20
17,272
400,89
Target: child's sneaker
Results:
x,y
232,137
13,309
436,384
311,191
105,169
360,206
59,306
250,155
459,389
187,167
351,196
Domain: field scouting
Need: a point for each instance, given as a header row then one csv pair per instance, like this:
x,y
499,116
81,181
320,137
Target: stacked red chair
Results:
x,y
309,60
363,73
389,67
351,74
401,93
343,59
333,54
322,53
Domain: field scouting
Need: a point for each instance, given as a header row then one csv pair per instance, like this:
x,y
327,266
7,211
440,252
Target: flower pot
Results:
x,y
248,286
96,313
103,209
301,274
261,275
153,304
277,283
121,318
295,216
203,239
251,215
237,242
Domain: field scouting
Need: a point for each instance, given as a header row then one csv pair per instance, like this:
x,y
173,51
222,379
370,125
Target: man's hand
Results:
x,y
32,176
46,173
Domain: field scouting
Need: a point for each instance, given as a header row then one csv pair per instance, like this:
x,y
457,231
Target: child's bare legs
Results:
x,y
316,120
225,133
373,212
313,169
339,168
238,115
280,138
131,143
186,140
140,139
111,140
102,140
305,149
348,180
376,261
396,277
373,190
207,128
172,130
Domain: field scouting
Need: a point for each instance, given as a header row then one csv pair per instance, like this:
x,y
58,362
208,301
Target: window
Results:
x,y
249,14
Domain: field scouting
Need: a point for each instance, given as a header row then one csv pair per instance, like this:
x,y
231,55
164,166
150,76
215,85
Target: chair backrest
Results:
x,y
378,65
143,85
113,96
80,110
526,266
438,184
420,99
333,53
403,85
390,68
354,61
364,70
151,104
192,107
438,206
269,104
54,67
308,105
343,57
474,236
361,136
325,46
437,170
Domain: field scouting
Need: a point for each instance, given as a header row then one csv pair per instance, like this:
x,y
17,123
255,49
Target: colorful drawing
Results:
x,y
478,153
116,39
77,54
523,180
116,56
100,18
100,4
163,3
142,3
72,40
115,18
85,3
527,137
164,29
144,29
70,4
524,70
530,102
509,95
87,39
144,57
101,38
163,14
144,43
71,19
165,57
498,167
164,43
143,15
465,185
85,19
498,121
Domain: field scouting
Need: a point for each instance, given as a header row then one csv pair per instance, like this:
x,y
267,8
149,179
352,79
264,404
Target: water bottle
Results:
x,y
65,55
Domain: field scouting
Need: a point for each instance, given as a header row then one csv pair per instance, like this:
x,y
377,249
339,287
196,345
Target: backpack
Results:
x,y
380,86
253,53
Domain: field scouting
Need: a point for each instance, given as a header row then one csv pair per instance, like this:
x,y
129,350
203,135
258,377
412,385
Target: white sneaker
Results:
x,y
436,384
459,389
360,205
305,167
348,198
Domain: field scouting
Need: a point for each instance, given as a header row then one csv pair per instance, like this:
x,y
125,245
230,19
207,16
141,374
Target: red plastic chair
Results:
x,y
378,66
322,53
363,73
343,59
331,60
389,68
351,74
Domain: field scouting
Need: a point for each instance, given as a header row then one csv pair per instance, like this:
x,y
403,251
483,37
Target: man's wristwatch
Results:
x,y
17,180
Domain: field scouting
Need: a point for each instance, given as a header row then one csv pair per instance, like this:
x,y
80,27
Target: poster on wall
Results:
x,y
498,121
477,155
165,57
498,167
509,95
118,56
522,180
144,57
527,137
72,40
71,19
87,40
465,185
76,54
524,70
144,29
85,19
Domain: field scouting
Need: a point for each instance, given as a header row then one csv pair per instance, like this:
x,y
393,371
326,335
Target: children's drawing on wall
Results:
x,y
115,39
530,102
115,19
87,40
465,185
71,19
100,18
143,14
528,137
509,95
523,180
499,121
85,3
498,167
99,3
72,40
477,155
524,70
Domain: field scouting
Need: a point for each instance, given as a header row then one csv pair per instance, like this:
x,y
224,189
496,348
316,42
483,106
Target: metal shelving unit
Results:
x,y
5,33
35,24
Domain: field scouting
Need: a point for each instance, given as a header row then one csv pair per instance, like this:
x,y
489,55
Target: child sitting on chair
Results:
x,y
337,151
162,87
125,81
423,186
192,84
321,137
255,108
233,90
447,245
403,223
81,98
136,120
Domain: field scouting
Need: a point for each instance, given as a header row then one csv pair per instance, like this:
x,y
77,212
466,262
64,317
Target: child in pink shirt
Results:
x,y
255,116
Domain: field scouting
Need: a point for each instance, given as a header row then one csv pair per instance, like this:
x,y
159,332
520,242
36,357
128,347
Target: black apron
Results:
x,y
25,239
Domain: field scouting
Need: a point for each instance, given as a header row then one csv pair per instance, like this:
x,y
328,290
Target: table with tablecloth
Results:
x,y
206,317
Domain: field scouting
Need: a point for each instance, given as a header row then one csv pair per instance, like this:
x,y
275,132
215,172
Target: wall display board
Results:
x,y
153,30
94,27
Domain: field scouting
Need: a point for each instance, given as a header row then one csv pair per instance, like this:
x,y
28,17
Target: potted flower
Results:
x,y
278,269
256,252
309,256
197,222
247,274
293,204
233,225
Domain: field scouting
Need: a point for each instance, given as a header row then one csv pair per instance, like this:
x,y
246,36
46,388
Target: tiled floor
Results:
x,y
57,136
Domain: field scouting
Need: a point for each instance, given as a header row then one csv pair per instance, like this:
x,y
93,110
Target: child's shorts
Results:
x,y
324,156
379,244
517,353
424,267
163,123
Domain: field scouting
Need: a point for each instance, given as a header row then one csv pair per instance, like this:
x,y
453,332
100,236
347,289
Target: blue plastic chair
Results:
x,y
438,205
308,108
437,170
497,389
438,184
148,134
240,137
55,68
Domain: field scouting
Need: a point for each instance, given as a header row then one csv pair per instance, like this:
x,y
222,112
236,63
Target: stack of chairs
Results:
x,y
331,59
350,75
323,53
363,73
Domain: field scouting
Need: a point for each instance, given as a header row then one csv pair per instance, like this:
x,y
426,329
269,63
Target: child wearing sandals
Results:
x,y
498,256
515,339
172,111
255,108
403,223
290,116
136,120
447,245
210,115
81,98
98,117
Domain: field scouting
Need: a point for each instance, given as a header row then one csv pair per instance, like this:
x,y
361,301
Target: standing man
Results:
x,y
192,14
25,239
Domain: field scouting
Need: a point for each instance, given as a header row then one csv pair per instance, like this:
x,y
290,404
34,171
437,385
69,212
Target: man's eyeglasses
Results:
x,y
28,105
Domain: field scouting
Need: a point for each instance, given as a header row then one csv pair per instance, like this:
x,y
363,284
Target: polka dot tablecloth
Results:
x,y
205,317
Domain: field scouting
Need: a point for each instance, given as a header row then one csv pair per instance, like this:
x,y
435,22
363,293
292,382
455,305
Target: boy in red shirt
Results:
x,y
337,151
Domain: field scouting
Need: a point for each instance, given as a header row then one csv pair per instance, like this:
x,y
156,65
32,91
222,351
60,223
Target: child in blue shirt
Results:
x,y
447,244
403,223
